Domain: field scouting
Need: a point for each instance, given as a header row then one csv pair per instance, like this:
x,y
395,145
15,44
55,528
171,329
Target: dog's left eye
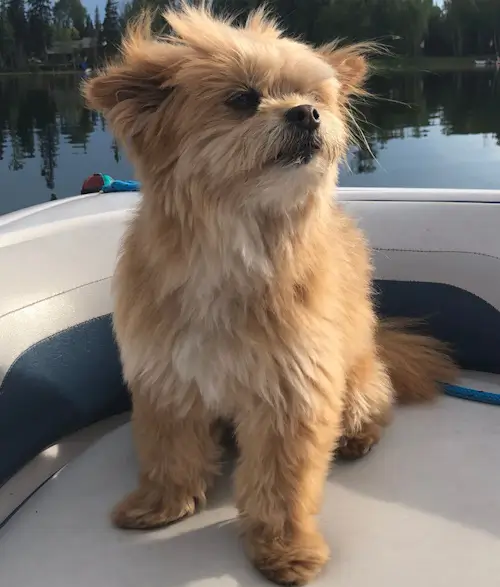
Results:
x,y
248,100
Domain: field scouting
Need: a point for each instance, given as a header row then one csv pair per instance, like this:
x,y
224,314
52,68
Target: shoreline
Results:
x,y
40,72
397,63
429,64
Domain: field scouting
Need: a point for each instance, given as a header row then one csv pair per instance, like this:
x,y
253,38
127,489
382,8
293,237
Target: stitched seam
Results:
x,y
108,314
60,293
48,338
439,251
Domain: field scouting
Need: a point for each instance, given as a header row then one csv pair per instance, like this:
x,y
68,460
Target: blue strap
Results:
x,y
118,185
472,394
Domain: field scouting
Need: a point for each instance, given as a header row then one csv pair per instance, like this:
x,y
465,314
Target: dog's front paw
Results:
x,y
150,507
289,561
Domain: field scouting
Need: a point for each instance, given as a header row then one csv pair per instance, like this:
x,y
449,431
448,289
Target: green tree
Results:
x,y
70,14
16,17
89,30
458,16
97,20
414,16
491,21
7,40
39,17
111,28
406,27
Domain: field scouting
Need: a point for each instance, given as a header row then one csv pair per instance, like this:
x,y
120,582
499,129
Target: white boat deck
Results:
x,y
422,509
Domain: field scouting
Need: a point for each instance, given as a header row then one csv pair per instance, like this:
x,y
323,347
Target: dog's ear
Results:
x,y
139,82
350,63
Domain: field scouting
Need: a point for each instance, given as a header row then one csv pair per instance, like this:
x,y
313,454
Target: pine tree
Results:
x,y
111,30
70,14
98,26
7,42
78,16
39,27
89,30
16,17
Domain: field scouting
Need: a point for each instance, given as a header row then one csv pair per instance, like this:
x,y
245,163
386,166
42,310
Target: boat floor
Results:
x,y
423,508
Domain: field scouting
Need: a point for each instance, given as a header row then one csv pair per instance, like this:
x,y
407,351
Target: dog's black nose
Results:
x,y
304,116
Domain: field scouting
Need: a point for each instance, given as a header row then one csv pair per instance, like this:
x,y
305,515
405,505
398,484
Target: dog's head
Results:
x,y
223,106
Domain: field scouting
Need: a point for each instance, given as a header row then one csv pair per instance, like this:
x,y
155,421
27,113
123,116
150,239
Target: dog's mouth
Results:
x,y
299,150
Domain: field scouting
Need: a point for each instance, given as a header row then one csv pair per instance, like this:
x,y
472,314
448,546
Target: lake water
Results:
x,y
423,130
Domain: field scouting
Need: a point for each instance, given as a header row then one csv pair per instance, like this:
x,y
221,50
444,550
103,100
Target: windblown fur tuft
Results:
x,y
417,363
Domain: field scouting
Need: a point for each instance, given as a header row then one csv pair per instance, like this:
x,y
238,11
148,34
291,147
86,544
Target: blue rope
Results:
x,y
472,394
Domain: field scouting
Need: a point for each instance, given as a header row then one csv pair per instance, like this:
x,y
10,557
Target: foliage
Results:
x,y
39,16
70,14
111,26
7,41
409,28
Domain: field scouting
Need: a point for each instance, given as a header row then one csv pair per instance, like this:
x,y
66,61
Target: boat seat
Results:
x,y
72,378
421,509
58,385
59,367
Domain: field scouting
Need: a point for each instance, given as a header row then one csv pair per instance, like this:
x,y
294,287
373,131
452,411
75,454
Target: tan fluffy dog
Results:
x,y
242,291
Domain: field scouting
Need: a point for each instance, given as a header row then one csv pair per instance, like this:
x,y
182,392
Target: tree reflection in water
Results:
x,y
42,117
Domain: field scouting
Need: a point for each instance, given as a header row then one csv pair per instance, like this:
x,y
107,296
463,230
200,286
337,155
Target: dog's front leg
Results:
x,y
178,458
284,460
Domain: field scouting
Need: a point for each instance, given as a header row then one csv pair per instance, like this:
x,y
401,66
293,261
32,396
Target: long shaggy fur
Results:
x,y
242,291
416,362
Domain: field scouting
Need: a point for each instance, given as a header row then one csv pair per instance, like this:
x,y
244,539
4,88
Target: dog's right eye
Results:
x,y
247,101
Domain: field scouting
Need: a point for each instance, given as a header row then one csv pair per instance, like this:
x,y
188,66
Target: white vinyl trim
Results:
x,y
22,328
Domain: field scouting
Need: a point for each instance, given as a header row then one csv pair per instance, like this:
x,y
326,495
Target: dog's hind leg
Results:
x,y
178,457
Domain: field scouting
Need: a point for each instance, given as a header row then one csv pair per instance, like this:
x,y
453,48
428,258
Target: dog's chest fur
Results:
x,y
224,343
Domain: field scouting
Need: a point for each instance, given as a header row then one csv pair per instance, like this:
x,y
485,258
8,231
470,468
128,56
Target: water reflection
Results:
x,y
49,142
441,109
35,112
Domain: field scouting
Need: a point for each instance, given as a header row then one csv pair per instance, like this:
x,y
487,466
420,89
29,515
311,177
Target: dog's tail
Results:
x,y
416,363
